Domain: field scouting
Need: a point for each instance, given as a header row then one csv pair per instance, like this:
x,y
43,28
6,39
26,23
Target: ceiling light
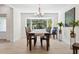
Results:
x,y
39,12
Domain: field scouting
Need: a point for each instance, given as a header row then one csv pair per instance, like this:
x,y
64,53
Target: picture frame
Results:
x,y
69,17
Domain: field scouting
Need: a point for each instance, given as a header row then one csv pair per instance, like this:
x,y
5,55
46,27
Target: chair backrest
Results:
x,y
26,30
27,34
54,30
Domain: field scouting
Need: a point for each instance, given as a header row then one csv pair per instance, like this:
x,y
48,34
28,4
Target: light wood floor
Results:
x,y
19,47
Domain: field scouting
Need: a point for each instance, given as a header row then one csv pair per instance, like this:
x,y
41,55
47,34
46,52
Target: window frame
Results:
x,y
4,15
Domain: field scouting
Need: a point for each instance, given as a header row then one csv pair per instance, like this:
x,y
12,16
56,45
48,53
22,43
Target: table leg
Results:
x,y
76,51
41,43
30,44
53,36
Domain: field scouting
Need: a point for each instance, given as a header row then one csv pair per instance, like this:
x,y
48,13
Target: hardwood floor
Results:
x,y
20,47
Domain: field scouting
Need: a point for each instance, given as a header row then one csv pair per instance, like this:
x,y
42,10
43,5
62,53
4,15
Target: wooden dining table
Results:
x,y
37,33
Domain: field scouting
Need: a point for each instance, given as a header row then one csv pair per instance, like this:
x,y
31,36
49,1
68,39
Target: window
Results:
x,y
28,23
2,23
37,23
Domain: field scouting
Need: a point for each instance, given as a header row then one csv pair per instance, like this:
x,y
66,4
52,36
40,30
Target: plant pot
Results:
x,y
72,34
72,39
60,31
60,35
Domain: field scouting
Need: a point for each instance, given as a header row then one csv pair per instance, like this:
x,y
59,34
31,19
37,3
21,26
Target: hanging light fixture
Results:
x,y
39,12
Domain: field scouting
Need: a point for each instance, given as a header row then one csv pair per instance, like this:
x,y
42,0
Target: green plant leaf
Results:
x,y
60,24
49,23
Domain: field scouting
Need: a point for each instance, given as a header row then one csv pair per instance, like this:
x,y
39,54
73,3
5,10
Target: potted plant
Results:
x,y
74,24
60,25
49,25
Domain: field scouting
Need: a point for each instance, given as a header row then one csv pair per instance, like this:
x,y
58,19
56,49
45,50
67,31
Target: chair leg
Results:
x,y
27,42
73,50
76,51
56,36
41,43
47,45
30,44
35,41
53,36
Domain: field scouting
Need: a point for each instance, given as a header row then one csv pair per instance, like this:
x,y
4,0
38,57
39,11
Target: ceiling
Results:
x,y
44,7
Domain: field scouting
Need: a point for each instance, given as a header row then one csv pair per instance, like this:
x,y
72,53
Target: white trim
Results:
x,y
39,18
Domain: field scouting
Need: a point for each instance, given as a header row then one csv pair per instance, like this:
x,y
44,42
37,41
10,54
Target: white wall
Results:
x,y
66,30
13,27
17,24
77,28
20,15
9,23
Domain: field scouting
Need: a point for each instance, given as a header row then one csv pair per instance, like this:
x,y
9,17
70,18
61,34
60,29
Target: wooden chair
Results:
x,y
46,37
54,32
32,35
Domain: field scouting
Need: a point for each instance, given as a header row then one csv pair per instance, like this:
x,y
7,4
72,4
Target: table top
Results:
x,y
39,32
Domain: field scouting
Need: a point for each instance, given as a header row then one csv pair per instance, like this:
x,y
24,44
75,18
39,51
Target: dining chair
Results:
x,y
54,32
46,37
33,36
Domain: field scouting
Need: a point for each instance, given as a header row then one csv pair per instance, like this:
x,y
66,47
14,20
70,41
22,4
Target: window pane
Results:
x,y
39,24
2,24
28,23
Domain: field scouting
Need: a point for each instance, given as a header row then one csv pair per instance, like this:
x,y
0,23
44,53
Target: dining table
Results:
x,y
37,33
